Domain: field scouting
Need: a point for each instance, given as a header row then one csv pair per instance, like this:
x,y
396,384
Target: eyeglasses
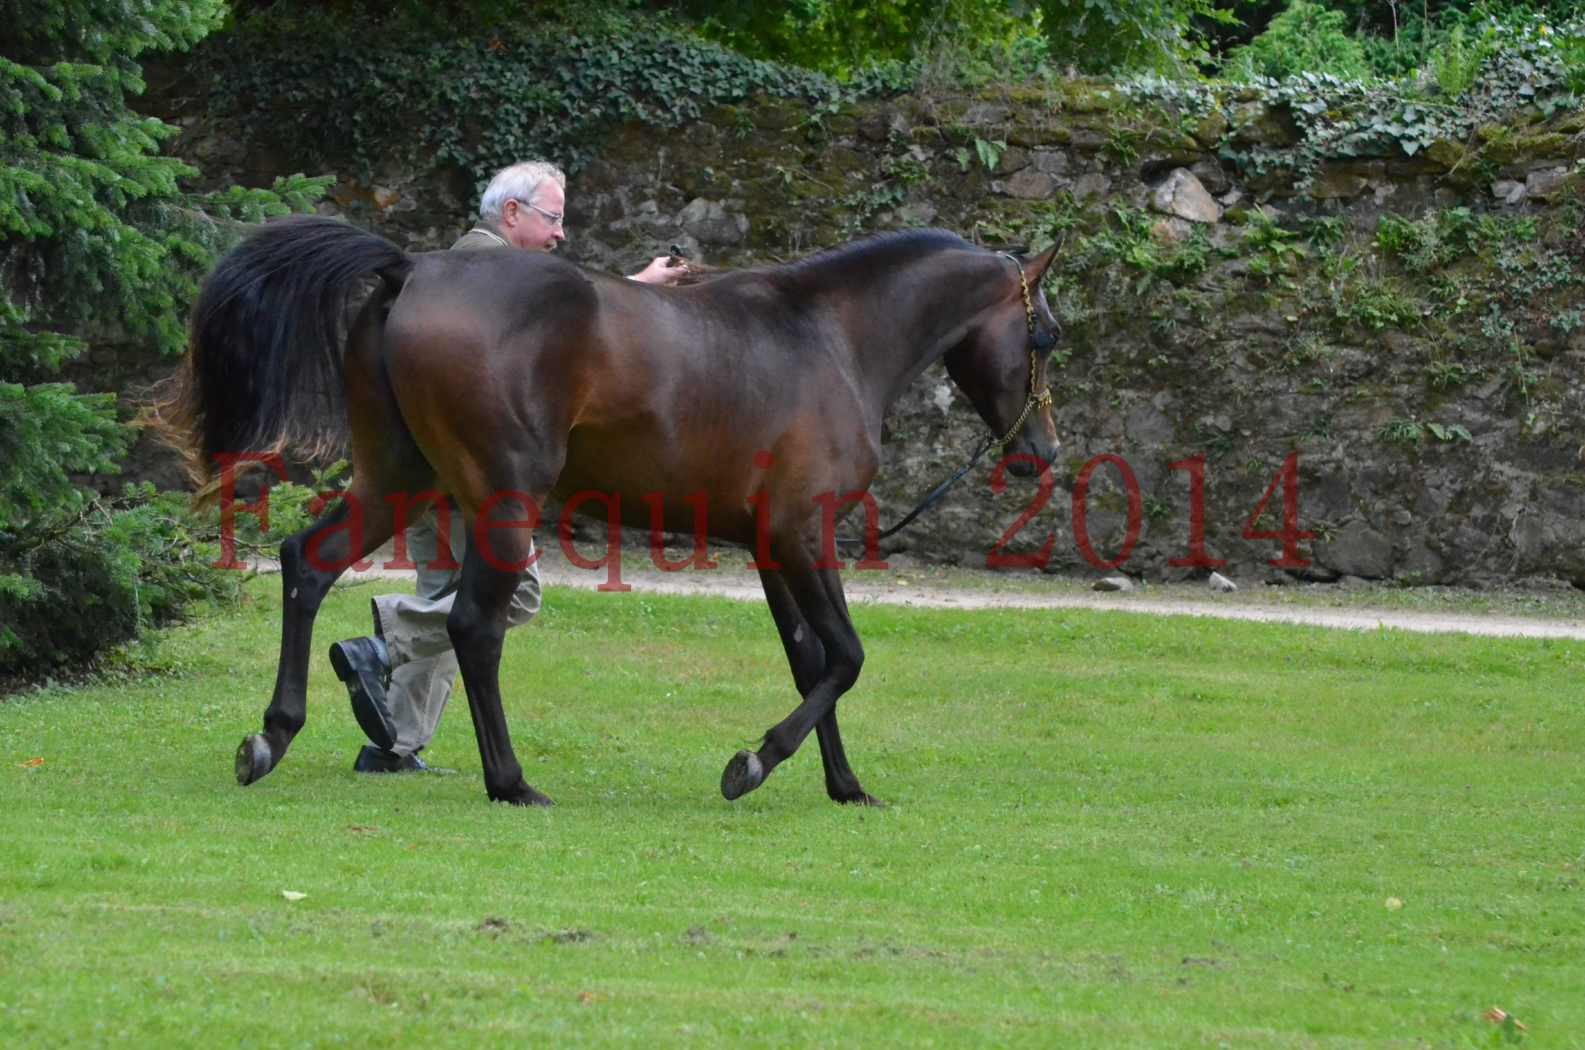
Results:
x,y
552,217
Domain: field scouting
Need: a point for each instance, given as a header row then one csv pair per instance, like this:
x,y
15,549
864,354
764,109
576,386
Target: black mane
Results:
x,y
881,249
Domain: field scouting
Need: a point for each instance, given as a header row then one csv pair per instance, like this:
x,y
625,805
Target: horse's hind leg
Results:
x,y
311,561
818,596
477,625
806,657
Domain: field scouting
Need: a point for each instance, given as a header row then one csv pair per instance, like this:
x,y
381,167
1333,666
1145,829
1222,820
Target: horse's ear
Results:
x,y
1035,269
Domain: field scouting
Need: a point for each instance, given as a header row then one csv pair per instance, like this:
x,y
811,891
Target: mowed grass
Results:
x,y
1105,830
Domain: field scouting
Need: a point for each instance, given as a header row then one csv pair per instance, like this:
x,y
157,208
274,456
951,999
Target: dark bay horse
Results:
x,y
503,377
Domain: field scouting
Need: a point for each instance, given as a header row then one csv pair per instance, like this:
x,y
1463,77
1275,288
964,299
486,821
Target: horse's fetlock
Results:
x,y
777,744
503,789
282,726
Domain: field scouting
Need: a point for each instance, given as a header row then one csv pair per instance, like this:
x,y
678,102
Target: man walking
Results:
x,y
400,679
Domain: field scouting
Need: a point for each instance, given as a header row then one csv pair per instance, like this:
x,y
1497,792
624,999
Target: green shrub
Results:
x,y
1306,38
99,240
1568,44
950,39
88,582
1110,36
1457,60
1130,238
1377,304
95,580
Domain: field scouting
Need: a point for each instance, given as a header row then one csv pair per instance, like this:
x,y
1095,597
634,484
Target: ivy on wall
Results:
x,y
478,102
1523,73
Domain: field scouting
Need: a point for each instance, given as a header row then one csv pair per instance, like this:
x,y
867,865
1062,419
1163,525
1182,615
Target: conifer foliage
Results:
x,y
99,243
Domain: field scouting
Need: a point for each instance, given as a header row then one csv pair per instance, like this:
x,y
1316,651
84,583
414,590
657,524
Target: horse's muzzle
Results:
x,y
1024,467
1027,460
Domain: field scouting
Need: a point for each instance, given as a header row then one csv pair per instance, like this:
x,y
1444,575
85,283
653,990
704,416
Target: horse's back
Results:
x,y
492,293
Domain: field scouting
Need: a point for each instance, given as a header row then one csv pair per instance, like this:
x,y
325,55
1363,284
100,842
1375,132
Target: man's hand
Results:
x,y
662,269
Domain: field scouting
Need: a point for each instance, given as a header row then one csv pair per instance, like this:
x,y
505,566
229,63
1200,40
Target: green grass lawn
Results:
x,y
1105,830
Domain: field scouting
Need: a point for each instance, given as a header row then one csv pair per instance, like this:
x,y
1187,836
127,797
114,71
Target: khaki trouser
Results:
x,y
423,666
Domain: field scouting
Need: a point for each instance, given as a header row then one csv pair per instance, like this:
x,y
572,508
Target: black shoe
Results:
x,y
377,760
364,665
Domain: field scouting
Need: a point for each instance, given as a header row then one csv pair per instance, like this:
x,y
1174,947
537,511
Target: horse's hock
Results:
x,y
1408,325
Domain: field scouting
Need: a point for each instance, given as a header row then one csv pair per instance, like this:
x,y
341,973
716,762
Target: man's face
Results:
x,y
525,223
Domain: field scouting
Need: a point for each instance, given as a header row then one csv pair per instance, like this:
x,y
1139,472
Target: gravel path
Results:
x,y
903,588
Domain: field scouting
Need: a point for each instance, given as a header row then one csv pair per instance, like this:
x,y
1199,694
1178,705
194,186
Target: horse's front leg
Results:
x,y
817,594
807,658
311,561
491,571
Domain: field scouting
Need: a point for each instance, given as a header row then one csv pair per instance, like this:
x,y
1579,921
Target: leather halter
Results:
x,y
1038,341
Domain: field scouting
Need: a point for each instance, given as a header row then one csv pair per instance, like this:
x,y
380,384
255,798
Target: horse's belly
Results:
x,y
740,473
645,487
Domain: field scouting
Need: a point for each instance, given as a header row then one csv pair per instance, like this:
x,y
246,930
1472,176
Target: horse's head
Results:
x,y
1001,366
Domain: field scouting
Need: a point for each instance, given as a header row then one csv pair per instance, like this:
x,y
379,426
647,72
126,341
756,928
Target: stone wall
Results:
x,y
1435,408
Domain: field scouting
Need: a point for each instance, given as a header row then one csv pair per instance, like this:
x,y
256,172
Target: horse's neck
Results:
x,y
915,314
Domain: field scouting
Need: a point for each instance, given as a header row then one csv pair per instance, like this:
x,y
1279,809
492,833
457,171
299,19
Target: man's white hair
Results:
x,y
517,183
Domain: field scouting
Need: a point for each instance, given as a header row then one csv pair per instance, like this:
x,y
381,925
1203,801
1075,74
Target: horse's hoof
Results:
x,y
521,795
254,759
742,775
860,798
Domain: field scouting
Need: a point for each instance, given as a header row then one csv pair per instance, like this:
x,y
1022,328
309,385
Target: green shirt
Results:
x,y
478,237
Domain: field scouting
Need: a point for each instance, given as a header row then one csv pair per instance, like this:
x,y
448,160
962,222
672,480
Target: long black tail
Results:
x,y
263,371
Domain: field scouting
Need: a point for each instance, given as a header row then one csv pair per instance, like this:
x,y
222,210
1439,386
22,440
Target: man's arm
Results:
x,y
661,271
